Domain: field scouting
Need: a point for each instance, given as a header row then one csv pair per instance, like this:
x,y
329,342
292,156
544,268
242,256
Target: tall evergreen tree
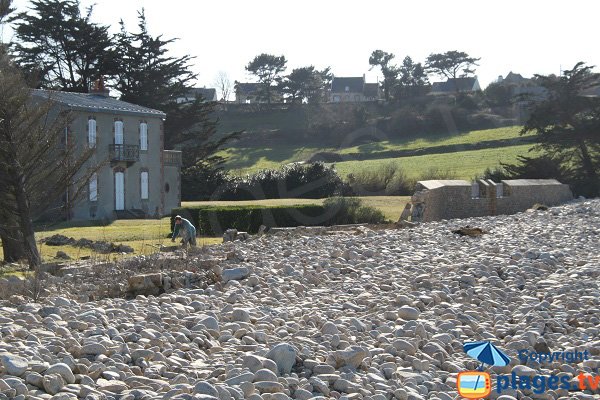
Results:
x,y
306,83
59,48
268,69
413,78
382,59
567,124
149,76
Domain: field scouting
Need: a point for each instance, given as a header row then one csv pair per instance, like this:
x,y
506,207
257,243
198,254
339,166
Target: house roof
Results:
x,y
96,103
248,88
208,94
354,84
454,84
514,78
371,90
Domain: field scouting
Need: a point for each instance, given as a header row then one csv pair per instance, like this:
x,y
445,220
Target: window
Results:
x,y
144,184
92,132
167,187
143,136
93,188
347,88
118,132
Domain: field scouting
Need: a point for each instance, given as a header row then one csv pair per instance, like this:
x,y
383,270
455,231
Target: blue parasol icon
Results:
x,y
487,353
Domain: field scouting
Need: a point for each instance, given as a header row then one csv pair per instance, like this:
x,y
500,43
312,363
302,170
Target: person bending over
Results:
x,y
186,230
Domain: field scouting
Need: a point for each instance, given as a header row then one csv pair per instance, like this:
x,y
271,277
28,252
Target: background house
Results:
x,y
251,92
138,177
456,85
523,93
208,94
353,90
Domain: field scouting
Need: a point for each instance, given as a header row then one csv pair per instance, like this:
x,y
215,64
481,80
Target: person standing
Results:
x,y
185,229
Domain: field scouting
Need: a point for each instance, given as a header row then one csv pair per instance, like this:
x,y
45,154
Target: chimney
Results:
x,y
99,89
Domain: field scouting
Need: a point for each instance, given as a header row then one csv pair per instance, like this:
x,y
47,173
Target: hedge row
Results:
x,y
214,220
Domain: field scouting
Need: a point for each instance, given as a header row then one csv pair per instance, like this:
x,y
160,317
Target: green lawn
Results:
x,y
245,160
464,164
145,236
512,132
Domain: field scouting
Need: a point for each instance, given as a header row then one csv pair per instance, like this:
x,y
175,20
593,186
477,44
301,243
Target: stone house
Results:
x,y
446,199
251,93
353,90
453,85
138,177
208,94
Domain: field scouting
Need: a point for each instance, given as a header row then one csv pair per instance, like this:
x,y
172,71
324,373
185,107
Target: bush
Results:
x,y
200,181
214,220
436,173
309,181
349,210
389,179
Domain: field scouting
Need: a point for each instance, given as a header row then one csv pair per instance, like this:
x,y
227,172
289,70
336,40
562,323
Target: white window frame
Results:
x,y
143,136
93,187
119,132
144,185
92,132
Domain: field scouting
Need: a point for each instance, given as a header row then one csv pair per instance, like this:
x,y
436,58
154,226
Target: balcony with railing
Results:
x,y
172,158
124,152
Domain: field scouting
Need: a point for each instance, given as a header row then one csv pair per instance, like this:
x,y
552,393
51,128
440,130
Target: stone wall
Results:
x,y
446,199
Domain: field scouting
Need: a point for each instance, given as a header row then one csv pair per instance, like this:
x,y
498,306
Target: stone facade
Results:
x,y
446,199
137,177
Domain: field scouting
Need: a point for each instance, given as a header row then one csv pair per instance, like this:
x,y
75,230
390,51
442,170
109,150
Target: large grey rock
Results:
x,y
207,388
240,315
63,370
268,387
351,357
264,375
53,383
210,323
284,356
14,365
235,274
408,313
94,349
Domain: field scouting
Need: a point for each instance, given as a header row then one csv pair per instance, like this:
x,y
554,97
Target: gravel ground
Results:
x,y
347,315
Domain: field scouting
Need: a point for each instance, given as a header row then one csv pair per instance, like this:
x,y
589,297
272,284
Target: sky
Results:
x,y
523,36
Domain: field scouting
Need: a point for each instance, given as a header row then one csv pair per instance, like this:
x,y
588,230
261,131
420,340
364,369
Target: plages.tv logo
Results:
x,y
478,384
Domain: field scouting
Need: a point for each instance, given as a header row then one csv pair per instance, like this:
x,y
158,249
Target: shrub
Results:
x,y
436,173
388,179
309,181
200,181
214,220
349,210
369,215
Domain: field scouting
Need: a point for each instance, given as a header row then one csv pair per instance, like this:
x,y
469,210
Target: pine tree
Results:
x,y
58,48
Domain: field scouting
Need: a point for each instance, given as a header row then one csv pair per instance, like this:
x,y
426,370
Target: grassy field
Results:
x,y
512,132
245,160
146,236
464,164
